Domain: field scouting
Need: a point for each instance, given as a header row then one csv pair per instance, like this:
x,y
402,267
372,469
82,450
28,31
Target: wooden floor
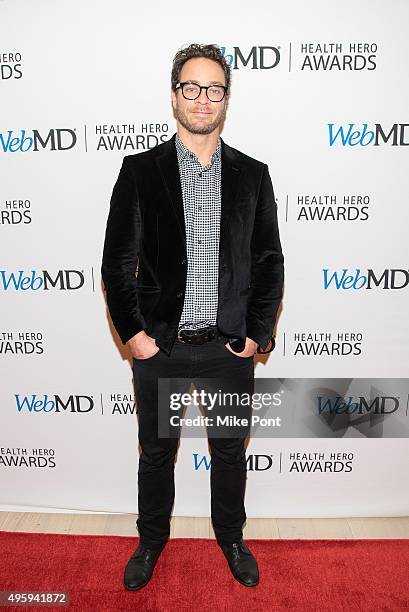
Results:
x,y
192,527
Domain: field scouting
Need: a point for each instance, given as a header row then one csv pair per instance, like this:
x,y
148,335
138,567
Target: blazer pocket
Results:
x,y
147,288
148,298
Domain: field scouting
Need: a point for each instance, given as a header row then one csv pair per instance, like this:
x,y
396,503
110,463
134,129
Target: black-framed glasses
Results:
x,y
191,91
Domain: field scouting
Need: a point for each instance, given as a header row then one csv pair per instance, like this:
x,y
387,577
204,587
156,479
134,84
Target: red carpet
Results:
x,y
192,574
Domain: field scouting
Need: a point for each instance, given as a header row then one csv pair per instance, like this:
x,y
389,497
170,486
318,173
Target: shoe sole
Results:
x,y
246,583
145,583
136,588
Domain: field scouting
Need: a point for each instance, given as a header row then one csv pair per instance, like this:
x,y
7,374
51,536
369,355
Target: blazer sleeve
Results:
x,y
267,272
120,256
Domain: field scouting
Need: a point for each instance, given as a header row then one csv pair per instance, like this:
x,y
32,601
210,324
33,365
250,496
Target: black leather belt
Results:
x,y
198,336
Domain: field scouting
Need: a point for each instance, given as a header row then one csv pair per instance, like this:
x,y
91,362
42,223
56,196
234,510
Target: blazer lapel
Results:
x,y
169,169
231,175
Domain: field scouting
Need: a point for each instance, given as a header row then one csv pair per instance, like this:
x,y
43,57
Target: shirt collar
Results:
x,y
183,152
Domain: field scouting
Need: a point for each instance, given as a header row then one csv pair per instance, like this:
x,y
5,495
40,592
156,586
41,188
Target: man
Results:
x,y
193,271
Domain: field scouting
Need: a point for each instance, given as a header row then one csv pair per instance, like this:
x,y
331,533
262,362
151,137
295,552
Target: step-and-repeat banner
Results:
x,y
319,93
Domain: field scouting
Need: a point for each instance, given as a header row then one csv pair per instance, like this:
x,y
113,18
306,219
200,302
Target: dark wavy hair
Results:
x,y
212,52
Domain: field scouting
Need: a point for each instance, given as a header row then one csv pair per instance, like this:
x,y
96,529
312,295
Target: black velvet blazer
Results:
x,y
144,263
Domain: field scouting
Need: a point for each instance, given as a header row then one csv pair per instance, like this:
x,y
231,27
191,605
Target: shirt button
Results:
x,y
200,174
179,294
183,261
199,241
199,207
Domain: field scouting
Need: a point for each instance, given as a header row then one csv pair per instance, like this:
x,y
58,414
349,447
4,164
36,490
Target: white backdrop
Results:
x,y
82,74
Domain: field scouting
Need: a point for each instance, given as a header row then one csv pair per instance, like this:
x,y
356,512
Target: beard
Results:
x,y
203,129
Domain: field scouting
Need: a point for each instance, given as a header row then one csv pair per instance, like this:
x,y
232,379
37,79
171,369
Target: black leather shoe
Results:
x,y
242,564
140,567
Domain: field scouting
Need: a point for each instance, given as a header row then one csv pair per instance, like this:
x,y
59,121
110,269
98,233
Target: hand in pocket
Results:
x,y
143,346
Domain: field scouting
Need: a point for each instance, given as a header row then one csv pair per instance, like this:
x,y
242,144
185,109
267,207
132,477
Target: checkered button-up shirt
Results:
x,y
201,190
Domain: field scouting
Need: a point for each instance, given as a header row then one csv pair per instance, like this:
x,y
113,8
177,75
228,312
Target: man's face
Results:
x,y
200,116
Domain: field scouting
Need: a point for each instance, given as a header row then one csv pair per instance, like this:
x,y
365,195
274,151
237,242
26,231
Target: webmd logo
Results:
x,y
53,403
56,139
353,135
254,463
64,280
357,405
258,58
344,280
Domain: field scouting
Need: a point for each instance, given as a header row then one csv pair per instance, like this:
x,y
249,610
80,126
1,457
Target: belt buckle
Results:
x,y
196,337
189,338
180,337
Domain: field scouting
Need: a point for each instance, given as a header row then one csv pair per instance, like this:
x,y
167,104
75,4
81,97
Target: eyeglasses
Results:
x,y
191,91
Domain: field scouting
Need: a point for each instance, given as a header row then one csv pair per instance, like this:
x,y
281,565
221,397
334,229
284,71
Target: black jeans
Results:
x,y
228,473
